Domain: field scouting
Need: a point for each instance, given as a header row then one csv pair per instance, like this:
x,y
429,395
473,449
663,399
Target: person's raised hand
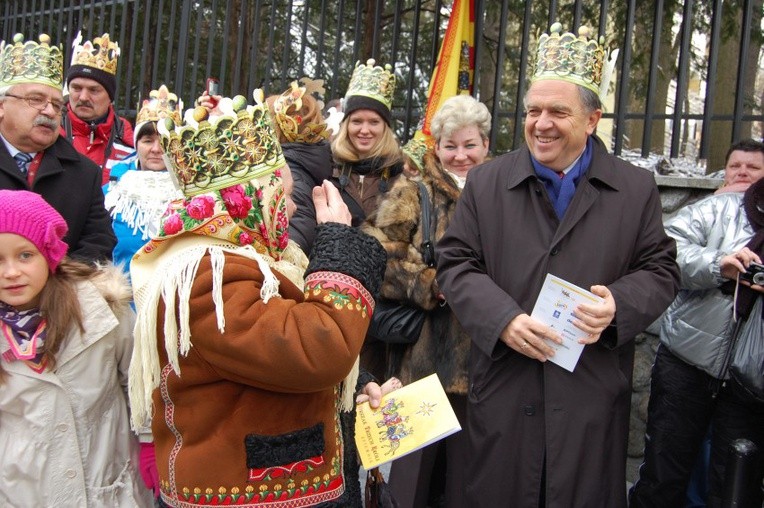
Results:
x,y
210,103
329,205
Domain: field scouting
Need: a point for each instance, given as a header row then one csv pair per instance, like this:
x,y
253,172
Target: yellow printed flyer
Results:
x,y
406,420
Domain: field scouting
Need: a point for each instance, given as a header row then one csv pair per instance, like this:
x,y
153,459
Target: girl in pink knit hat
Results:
x,y
65,347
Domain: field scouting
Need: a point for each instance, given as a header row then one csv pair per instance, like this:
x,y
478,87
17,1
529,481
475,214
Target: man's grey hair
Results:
x,y
4,90
589,99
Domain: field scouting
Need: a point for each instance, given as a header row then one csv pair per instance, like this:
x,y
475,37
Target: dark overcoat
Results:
x,y
503,240
70,183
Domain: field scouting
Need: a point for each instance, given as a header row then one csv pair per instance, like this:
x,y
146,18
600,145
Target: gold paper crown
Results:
x,y
161,104
233,148
100,54
287,108
567,57
415,149
30,62
373,81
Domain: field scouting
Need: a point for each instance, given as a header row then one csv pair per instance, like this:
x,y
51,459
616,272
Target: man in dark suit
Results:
x,y
33,157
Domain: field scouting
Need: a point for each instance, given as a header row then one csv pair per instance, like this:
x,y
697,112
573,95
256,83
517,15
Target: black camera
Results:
x,y
754,274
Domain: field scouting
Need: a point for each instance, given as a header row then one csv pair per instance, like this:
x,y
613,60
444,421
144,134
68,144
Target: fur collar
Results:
x,y
113,285
438,178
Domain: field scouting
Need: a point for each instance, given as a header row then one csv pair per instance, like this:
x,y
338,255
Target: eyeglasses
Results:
x,y
40,102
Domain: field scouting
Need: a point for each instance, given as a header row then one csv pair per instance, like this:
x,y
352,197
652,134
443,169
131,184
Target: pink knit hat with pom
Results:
x,y
27,214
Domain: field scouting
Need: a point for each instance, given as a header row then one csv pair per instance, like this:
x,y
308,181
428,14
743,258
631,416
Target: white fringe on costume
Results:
x,y
173,277
141,197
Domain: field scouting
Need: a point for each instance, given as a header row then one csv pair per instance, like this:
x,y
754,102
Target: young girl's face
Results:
x,y
23,272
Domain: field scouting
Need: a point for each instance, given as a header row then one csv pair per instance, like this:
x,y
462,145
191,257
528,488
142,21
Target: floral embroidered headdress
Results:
x,y
229,170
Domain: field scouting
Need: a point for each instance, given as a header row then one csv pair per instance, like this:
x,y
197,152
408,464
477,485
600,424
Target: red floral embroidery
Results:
x,y
236,201
245,238
200,207
172,224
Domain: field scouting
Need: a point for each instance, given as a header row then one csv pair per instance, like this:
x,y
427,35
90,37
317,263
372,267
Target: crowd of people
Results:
x,y
185,303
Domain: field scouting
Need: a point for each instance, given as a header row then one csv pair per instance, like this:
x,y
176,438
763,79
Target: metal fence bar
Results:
x,y
623,90
552,12
287,44
240,27
741,77
602,26
131,54
156,47
303,46
197,46
321,31
171,40
101,18
577,15
524,52
497,80
185,24
652,79
271,44
681,85
713,60
31,18
113,20
121,42
89,30
357,32
412,73
377,24
337,46
477,47
210,40
253,50
146,45
224,58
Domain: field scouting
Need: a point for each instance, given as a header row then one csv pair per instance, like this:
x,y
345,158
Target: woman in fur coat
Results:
x,y
460,129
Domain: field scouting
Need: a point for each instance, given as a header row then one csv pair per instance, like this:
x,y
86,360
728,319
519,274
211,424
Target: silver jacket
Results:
x,y
698,324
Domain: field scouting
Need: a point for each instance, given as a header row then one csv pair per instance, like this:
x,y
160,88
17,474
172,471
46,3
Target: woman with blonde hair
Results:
x,y
460,128
367,157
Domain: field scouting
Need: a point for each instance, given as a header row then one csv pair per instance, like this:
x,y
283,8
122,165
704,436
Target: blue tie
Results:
x,y
22,161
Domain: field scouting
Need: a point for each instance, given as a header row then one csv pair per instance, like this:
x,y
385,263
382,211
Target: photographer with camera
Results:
x,y
719,239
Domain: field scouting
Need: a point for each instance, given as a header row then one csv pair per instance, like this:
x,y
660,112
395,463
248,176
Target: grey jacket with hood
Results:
x,y
698,324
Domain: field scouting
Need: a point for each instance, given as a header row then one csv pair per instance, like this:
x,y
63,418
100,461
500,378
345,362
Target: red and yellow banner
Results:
x,y
456,62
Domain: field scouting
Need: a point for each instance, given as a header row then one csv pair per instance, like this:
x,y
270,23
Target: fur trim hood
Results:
x,y
113,285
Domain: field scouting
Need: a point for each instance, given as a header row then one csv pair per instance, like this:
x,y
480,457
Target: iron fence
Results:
x,y
686,84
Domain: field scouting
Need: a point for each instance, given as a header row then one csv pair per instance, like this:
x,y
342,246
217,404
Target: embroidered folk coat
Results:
x,y
443,346
253,419
524,415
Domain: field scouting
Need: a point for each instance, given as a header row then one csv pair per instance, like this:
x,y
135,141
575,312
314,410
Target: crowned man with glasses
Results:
x,y
33,157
